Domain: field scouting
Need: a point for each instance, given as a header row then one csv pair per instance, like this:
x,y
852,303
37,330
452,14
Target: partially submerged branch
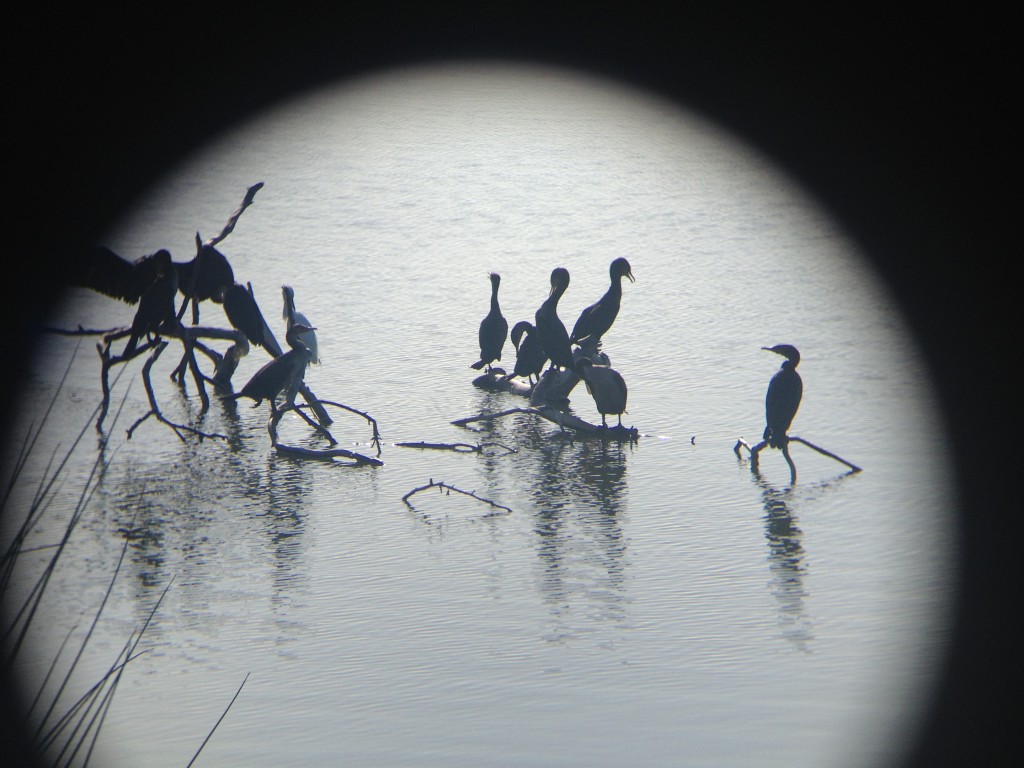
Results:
x,y
755,452
564,420
331,453
154,408
456,447
447,490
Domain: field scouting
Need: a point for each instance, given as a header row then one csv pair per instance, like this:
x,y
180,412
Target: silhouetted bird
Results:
x,y
493,329
596,319
244,315
156,304
530,357
282,374
607,387
551,333
292,317
102,270
783,399
207,276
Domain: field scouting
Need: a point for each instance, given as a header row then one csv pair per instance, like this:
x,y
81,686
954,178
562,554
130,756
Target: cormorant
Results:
x,y
493,329
607,387
783,398
207,276
551,333
292,317
282,374
156,304
244,315
102,270
530,357
596,319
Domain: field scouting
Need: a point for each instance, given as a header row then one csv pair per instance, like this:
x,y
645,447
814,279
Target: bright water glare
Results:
x,y
647,604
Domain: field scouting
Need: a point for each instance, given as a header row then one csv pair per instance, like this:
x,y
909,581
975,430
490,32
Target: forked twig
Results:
x,y
447,489
756,450
155,409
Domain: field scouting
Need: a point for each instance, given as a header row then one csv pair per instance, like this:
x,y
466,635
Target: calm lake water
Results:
x,y
653,604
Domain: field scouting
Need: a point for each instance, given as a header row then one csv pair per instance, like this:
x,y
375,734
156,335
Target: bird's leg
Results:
x,y
789,460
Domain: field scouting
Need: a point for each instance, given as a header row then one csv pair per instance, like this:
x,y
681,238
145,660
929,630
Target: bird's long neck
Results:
x,y
494,300
556,293
614,292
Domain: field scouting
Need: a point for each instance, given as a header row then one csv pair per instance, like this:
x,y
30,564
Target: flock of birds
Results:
x,y
153,283
548,341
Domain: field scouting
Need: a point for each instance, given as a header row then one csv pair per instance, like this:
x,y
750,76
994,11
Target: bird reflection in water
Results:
x,y
786,565
579,496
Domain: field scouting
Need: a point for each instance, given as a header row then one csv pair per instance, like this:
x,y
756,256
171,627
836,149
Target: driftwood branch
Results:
x,y
755,452
309,453
564,420
230,225
456,447
154,409
375,439
189,338
447,490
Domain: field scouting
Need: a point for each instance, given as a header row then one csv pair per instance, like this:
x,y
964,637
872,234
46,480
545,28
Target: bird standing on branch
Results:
x,y
785,391
206,277
293,317
596,319
551,333
493,330
530,358
282,374
606,386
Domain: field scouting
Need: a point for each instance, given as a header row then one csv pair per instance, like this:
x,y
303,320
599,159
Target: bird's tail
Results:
x,y
477,365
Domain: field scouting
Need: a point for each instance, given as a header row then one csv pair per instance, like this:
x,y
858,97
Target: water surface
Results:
x,y
650,604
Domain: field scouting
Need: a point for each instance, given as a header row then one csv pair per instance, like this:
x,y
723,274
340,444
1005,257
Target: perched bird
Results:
x,y
530,357
156,304
282,374
493,329
596,319
206,277
551,333
104,271
292,317
607,387
244,315
783,398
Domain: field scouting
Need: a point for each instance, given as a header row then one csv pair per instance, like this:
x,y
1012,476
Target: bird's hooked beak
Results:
x,y
629,274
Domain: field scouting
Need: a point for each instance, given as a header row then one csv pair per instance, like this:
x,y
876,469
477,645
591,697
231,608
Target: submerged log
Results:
x,y
567,422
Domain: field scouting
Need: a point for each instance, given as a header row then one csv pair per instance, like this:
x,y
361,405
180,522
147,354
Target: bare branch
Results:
x,y
230,226
823,452
447,489
155,409
375,440
756,450
326,455
456,447
564,420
